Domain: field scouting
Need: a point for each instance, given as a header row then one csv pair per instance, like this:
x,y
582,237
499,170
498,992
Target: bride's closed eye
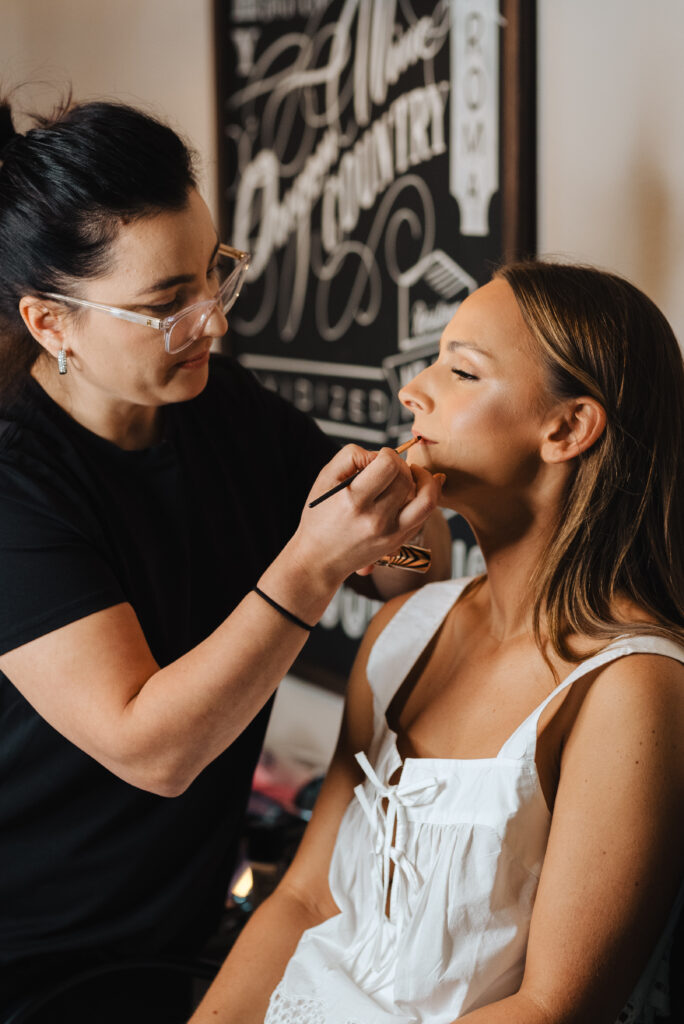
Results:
x,y
463,375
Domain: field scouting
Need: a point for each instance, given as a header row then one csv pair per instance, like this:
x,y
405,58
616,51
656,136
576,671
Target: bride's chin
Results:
x,y
419,456
423,460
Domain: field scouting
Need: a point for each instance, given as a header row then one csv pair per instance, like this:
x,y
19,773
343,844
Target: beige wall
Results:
x,y
158,54
611,140
611,130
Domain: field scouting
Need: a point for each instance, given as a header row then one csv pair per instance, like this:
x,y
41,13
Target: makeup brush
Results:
x,y
345,483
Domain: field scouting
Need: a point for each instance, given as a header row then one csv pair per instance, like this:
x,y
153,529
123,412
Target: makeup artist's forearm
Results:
x,y
242,988
189,712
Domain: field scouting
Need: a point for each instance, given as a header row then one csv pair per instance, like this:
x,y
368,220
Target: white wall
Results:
x,y
157,54
611,140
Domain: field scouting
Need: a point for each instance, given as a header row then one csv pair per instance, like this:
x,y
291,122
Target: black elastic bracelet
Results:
x,y
283,611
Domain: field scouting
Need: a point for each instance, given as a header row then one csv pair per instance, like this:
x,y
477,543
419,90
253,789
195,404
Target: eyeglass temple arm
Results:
x,y
134,318
236,254
120,314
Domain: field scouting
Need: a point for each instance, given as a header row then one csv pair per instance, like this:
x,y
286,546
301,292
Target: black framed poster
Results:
x,y
376,157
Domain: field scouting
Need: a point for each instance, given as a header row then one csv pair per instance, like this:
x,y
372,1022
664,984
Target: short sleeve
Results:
x,y
52,567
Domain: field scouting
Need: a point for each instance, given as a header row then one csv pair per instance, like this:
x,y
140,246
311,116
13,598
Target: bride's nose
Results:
x,y
415,395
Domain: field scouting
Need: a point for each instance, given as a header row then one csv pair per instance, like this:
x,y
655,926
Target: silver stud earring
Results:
x,y
62,361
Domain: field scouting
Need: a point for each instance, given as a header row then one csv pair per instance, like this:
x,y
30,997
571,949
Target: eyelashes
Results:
x,y
462,374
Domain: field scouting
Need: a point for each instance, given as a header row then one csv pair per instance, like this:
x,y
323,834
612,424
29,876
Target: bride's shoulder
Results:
x,y
637,698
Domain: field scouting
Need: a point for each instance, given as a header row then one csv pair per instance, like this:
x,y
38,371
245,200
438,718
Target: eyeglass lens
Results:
x,y
190,327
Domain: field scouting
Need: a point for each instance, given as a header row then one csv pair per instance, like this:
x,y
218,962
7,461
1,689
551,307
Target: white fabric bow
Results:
x,y
383,823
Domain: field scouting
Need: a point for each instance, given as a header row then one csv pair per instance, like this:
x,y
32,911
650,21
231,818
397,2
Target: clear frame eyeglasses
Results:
x,y
186,326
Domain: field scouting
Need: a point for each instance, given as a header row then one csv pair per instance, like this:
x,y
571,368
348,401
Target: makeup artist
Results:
x,y
146,490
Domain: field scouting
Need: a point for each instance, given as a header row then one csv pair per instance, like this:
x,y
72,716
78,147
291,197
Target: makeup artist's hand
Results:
x,y
382,508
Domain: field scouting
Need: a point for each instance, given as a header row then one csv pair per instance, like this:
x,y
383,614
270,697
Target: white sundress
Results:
x,y
468,849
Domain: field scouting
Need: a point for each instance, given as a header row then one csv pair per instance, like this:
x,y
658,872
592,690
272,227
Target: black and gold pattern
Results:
x,y
409,556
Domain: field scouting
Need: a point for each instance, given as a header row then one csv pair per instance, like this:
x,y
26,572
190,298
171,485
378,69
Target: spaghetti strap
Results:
x,y
523,742
406,636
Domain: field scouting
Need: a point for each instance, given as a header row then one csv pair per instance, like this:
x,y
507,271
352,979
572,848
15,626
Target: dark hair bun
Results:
x,y
66,186
7,132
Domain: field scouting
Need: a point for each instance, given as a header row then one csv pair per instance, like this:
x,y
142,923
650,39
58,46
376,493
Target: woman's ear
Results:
x,y
573,427
45,321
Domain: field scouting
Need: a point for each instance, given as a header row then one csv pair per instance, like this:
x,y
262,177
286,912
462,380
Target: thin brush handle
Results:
x,y
345,483
333,490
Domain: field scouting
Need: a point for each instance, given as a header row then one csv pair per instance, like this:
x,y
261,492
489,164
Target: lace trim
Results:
x,y
284,1009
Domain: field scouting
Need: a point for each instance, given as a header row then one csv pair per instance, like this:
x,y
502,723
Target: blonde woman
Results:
x,y
498,839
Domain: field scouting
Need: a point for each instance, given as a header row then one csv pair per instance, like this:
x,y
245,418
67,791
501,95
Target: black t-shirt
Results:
x,y
182,531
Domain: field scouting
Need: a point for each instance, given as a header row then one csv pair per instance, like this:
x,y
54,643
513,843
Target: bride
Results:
x,y
497,837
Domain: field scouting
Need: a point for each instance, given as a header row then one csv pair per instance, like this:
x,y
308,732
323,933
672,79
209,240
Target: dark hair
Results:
x,y
621,531
65,188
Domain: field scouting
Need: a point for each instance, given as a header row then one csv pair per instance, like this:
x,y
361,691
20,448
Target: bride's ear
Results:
x,y
572,428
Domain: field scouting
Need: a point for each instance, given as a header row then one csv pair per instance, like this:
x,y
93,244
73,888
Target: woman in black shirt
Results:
x,y
146,488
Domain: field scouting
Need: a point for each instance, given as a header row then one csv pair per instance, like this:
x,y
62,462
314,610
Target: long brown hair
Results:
x,y
621,530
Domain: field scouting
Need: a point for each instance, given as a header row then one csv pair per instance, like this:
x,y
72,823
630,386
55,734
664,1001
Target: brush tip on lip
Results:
x,y
407,444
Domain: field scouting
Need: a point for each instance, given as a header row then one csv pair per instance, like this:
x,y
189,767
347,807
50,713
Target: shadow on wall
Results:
x,y
652,226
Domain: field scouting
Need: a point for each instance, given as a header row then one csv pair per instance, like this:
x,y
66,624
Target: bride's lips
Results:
x,y
422,439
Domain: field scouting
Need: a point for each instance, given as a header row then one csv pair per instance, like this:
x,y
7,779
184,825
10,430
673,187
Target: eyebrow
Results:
x,y
454,346
169,282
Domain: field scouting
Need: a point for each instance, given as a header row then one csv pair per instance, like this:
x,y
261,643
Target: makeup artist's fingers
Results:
x,y
382,471
360,523
349,460
386,482
414,513
428,490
